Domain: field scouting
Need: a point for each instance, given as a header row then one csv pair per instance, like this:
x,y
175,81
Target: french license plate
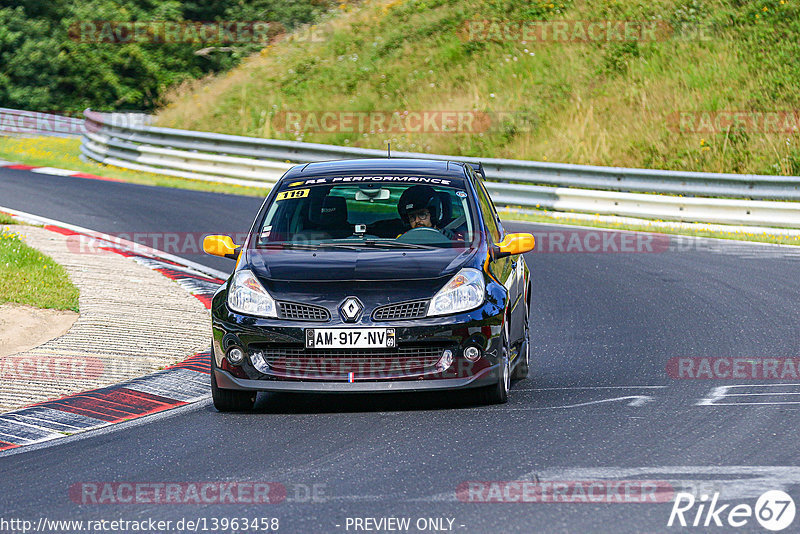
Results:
x,y
349,338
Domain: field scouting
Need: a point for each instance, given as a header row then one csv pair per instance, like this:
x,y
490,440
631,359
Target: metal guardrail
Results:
x,y
14,122
126,141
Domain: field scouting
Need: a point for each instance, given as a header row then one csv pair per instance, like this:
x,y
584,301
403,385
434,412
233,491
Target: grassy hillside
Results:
x,y
605,103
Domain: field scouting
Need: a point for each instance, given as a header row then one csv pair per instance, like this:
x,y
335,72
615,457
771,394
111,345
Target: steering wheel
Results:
x,y
423,235
423,229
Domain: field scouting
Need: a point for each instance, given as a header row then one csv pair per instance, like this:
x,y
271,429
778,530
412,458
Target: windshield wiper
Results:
x,y
351,245
297,246
395,244
371,243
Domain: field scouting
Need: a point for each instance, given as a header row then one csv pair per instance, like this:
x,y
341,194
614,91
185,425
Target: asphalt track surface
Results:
x,y
600,404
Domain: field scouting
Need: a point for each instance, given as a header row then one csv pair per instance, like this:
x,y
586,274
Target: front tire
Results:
x,y
523,366
498,393
229,400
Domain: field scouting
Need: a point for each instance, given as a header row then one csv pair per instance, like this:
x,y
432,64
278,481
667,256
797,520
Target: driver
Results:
x,y
420,207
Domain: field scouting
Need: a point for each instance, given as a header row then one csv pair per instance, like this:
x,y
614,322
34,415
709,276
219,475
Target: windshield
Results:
x,y
368,212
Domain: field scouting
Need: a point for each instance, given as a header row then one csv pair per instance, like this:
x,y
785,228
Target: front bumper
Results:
x,y
322,371
486,377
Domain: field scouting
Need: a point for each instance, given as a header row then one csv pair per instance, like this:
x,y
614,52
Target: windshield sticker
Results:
x,y
461,194
295,193
345,179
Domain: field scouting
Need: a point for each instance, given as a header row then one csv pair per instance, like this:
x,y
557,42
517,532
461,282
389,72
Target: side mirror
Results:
x,y
513,244
221,245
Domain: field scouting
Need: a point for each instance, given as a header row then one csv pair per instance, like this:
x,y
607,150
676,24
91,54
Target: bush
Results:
x,y
47,68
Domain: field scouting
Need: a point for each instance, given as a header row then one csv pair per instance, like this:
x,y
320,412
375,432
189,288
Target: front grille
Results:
x,y
404,310
302,362
302,312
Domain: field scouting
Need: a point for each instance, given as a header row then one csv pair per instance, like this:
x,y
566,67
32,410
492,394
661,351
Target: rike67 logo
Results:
x,y
774,510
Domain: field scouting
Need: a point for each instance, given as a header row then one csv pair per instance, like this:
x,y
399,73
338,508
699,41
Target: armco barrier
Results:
x,y
754,200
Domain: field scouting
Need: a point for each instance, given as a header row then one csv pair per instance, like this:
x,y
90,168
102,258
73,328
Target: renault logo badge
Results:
x,y
350,309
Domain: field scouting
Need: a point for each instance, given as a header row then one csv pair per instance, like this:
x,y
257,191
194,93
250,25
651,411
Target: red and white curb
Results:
x,y
178,385
55,171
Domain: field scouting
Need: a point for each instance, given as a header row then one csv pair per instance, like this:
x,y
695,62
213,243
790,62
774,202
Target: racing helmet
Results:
x,y
420,197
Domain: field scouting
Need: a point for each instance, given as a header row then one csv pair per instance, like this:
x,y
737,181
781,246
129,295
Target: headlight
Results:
x,y
247,295
465,291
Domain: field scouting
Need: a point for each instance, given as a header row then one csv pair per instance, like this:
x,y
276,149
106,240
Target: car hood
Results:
x,y
363,265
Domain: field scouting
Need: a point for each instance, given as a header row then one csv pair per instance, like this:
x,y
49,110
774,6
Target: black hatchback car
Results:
x,y
373,275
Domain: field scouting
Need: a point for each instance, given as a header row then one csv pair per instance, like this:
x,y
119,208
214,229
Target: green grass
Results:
x,y
602,103
740,236
63,153
30,277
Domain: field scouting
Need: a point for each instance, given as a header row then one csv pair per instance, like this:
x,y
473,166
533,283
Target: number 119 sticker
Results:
x,y
297,193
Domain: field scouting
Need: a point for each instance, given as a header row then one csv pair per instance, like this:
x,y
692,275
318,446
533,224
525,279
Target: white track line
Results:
x,y
54,171
120,243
